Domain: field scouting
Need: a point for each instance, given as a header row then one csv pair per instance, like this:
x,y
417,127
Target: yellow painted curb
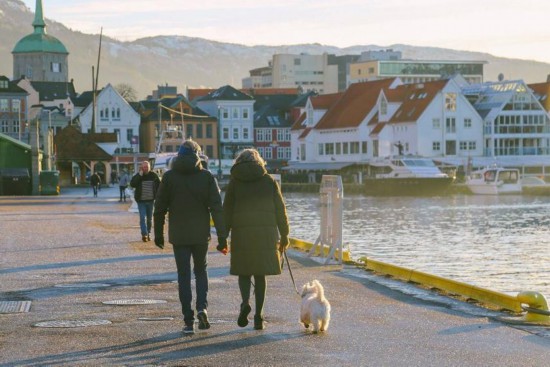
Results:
x,y
306,246
483,295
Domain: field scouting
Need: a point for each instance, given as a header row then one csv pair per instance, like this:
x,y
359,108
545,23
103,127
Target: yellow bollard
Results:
x,y
537,312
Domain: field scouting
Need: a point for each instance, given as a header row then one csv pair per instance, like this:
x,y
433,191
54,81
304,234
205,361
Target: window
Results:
x,y
268,136
383,107
364,147
287,152
117,132
4,127
245,113
129,134
113,112
436,123
199,131
235,133
245,133
118,113
268,153
450,125
16,105
450,101
297,62
225,113
321,148
280,134
467,123
436,146
235,114
288,135
354,147
345,148
3,104
280,153
261,151
329,148
209,150
226,133
55,67
4,84
302,152
189,131
260,135
338,148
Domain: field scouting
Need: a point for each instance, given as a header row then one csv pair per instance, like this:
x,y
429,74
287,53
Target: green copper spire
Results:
x,y
39,24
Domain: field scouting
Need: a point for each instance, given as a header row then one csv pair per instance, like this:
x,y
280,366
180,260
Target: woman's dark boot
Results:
x,y
242,321
259,323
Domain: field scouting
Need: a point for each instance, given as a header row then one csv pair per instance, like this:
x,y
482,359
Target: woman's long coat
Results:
x,y
255,214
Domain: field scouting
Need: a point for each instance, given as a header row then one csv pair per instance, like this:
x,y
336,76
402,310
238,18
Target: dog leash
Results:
x,y
285,256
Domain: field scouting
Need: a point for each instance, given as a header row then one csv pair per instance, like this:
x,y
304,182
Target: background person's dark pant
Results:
x,y
183,256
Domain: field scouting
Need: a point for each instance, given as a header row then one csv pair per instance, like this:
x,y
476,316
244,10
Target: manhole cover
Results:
x,y
72,323
124,302
82,285
155,318
15,306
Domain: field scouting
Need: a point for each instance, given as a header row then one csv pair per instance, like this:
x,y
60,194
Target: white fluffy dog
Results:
x,y
315,308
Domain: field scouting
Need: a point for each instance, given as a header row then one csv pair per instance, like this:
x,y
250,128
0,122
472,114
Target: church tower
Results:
x,y
39,56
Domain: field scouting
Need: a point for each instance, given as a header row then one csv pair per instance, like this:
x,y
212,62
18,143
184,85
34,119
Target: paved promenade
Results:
x,y
69,254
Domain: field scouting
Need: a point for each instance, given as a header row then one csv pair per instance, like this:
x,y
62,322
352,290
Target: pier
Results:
x,y
80,288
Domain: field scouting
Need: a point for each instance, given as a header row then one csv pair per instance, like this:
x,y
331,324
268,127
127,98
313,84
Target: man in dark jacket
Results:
x,y
145,183
95,181
191,194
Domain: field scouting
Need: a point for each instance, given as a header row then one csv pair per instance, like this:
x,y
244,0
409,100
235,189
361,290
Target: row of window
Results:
x,y
353,147
5,105
7,126
199,131
237,133
462,145
267,134
450,124
104,113
235,113
281,152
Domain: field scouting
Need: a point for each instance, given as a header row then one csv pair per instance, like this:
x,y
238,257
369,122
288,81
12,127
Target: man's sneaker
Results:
x,y
189,329
149,237
203,320
144,238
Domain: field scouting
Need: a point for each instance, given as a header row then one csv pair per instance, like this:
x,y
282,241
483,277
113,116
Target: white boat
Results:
x,y
405,176
495,181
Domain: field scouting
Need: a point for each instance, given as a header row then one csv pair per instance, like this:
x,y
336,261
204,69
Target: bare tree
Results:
x,y
127,92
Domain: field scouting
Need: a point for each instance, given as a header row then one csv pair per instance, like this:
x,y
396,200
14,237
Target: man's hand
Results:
x,y
283,243
159,242
222,245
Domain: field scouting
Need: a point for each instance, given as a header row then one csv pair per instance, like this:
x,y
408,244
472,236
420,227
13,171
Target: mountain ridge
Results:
x,y
196,62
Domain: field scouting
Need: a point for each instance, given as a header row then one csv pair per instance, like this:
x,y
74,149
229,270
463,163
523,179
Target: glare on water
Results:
x,y
500,243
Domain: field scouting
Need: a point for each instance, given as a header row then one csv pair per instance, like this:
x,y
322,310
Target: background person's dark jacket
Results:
x,y
189,194
137,179
95,180
255,215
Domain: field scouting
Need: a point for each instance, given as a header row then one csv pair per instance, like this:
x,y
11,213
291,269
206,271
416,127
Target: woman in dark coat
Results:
x,y
255,214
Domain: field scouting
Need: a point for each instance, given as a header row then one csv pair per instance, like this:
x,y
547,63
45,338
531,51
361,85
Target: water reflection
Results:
x,y
496,242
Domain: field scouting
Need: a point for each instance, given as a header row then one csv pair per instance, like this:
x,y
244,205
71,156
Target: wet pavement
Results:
x,y
69,254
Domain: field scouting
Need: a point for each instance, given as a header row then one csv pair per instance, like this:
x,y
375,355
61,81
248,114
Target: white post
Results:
x,y
330,237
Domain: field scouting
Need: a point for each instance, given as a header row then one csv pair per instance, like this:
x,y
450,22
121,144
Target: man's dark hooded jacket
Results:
x,y
189,194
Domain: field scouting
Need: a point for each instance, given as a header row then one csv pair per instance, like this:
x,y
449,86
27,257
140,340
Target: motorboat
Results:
x,y
495,181
404,175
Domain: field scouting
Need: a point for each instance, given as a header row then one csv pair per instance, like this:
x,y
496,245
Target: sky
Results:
x,y
506,28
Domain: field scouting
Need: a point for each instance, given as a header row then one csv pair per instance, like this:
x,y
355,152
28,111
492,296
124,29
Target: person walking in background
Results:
x,y
255,215
190,194
95,181
114,177
122,185
145,183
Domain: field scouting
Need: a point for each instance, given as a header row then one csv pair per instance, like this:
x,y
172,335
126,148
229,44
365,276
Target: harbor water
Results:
x,y
500,243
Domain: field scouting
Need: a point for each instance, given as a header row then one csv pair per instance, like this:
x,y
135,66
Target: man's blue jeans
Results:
x,y
183,256
145,216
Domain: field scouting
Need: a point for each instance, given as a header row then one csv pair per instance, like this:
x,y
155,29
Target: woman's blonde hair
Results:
x,y
250,155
